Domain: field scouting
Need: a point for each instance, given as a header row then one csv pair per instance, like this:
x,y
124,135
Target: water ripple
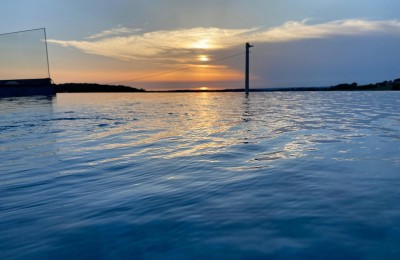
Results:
x,y
200,175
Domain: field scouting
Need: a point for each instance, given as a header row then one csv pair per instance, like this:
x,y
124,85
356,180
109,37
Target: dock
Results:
x,y
26,87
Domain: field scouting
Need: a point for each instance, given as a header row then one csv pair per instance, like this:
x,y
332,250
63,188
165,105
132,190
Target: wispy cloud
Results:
x,y
114,32
181,45
292,30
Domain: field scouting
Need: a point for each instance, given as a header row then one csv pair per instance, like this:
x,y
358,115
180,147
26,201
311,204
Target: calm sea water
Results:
x,y
201,176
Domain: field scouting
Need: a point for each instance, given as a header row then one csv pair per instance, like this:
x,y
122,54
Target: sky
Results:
x,y
177,44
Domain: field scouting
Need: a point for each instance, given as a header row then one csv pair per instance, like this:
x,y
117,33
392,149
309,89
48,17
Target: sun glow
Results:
x,y
203,88
202,44
203,58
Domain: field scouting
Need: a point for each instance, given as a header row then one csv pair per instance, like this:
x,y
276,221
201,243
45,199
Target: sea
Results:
x,y
270,175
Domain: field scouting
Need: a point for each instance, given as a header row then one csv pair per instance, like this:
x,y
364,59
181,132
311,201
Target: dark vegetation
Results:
x,y
89,87
385,85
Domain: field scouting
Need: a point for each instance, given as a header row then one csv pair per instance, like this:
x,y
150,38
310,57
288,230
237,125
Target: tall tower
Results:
x,y
247,81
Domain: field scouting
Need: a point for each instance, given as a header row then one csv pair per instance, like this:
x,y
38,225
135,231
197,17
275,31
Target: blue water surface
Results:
x,y
291,175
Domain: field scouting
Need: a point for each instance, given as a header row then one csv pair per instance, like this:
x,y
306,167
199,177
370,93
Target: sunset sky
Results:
x,y
297,43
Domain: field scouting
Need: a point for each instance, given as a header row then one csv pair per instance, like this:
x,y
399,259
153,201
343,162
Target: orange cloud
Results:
x,y
201,73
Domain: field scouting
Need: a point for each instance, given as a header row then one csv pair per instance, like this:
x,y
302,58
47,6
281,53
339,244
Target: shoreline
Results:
x,y
392,85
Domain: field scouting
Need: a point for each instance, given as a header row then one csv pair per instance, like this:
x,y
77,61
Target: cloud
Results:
x,y
182,45
113,32
292,31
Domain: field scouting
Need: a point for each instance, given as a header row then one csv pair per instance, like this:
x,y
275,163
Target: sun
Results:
x,y
203,88
203,58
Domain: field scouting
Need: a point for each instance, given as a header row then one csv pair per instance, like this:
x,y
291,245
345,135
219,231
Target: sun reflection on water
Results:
x,y
190,166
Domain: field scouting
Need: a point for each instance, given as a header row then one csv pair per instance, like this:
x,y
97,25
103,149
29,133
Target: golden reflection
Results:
x,y
188,125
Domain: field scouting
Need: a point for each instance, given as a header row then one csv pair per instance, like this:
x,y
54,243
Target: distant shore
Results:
x,y
92,88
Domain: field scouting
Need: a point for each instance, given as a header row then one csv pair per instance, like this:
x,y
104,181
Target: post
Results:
x,y
47,52
247,88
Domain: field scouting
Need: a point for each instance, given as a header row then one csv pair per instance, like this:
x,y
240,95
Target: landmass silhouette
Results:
x,y
93,87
